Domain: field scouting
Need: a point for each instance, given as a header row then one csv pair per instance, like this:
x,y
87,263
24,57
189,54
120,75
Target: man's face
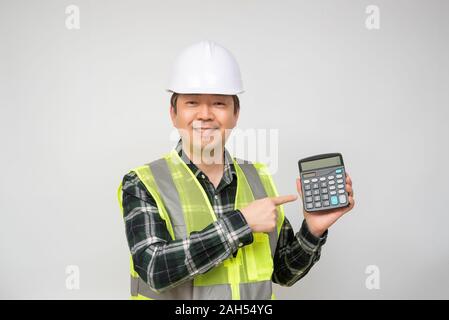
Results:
x,y
204,120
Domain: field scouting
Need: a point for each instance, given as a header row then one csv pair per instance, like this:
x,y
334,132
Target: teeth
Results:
x,y
206,131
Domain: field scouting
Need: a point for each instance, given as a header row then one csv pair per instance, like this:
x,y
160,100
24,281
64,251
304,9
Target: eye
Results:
x,y
219,103
191,102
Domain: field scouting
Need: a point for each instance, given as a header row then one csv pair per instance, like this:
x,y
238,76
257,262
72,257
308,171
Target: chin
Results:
x,y
205,143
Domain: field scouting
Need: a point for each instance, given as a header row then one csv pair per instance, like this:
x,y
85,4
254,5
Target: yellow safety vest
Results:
x,y
185,208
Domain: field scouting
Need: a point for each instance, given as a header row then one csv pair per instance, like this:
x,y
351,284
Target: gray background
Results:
x,y
79,108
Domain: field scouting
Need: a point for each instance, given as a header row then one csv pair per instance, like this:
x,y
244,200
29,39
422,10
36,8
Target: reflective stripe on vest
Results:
x,y
185,207
248,291
259,192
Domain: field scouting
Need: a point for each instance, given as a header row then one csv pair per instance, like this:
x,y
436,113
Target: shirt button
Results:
x,y
202,176
216,196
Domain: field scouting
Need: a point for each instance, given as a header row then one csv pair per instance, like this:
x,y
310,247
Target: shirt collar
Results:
x,y
228,170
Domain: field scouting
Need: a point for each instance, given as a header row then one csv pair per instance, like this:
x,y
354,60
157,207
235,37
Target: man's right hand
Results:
x,y
261,215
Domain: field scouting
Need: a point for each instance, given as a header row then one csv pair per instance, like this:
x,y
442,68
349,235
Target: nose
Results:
x,y
204,112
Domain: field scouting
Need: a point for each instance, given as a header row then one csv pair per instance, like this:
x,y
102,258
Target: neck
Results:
x,y
210,161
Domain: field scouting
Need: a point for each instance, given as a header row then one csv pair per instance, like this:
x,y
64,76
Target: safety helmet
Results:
x,y
206,67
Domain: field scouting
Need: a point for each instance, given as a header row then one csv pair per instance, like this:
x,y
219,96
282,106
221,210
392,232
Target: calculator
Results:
x,y
323,181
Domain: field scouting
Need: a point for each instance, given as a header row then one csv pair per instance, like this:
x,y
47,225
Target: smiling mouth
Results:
x,y
205,131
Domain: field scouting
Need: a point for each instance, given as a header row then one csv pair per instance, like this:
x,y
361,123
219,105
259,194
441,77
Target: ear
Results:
x,y
173,116
236,117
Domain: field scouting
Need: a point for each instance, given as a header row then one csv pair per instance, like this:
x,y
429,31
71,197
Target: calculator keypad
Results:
x,y
327,190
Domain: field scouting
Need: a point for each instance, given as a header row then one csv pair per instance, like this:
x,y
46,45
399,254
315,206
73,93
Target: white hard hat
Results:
x,y
206,67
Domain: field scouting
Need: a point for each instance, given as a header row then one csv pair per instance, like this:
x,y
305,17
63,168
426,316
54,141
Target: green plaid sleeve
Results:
x,y
295,253
165,263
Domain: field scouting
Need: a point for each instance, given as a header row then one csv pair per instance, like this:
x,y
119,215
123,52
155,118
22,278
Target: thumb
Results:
x,y
284,199
298,185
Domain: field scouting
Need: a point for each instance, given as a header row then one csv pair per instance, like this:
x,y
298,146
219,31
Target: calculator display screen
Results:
x,y
309,175
321,163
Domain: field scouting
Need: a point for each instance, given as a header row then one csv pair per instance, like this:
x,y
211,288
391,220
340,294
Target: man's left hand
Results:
x,y
319,222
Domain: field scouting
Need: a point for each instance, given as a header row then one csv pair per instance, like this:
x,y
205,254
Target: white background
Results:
x,y
79,108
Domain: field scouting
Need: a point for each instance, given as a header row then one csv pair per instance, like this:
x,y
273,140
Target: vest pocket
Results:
x,y
259,263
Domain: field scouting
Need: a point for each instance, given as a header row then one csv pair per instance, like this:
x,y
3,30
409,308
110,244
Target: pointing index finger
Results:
x,y
284,199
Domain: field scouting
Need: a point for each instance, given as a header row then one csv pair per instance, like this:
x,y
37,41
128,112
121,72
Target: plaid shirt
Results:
x,y
165,263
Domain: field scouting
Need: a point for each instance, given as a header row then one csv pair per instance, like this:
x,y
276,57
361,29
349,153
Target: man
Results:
x,y
200,224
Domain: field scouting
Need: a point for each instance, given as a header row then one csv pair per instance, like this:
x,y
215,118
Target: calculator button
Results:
x,y
314,180
308,193
331,182
324,190
322,179
330,177
306,181
307,187
309,206
325,196
331,187
339,176
309,199
326,203
323,184
316,192
317,198
341,191
317,204
334,200
333,192
338,171
340,181
341,186
342,198
315,185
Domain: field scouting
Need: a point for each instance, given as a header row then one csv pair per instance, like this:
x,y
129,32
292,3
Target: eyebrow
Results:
x,y
196,95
